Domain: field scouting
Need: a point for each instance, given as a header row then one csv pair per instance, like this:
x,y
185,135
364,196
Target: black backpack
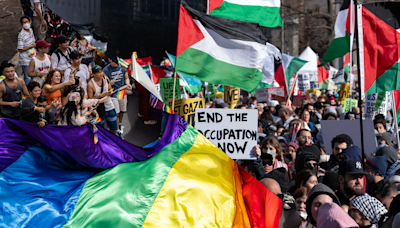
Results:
x,y
27,7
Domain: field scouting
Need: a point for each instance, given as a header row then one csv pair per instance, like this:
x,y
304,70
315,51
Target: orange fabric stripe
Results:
x,y
241,217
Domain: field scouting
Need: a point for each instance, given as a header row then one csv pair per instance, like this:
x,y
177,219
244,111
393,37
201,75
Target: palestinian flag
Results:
x,y
263,12
379,46
287,69
341,43
49,180
396,96
343,74
323,75
219,50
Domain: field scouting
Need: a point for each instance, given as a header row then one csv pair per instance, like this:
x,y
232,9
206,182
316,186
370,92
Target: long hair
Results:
x,y
71,107
272,140
50,76
300,179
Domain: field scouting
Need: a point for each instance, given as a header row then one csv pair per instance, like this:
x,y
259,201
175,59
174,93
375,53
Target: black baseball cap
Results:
x,y
318,104
351,166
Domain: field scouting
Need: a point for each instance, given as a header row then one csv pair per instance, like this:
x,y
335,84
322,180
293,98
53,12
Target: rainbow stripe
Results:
x,y
120,94
31,52
123,63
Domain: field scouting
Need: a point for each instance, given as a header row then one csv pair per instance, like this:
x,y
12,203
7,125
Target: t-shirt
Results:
x,y
33,7
60,63
26,39
117,74
83,73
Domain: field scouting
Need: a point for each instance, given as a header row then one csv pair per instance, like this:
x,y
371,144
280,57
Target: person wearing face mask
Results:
x,y
26,46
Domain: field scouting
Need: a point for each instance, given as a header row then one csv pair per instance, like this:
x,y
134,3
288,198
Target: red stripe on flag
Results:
x,y
144,61
396,94
323,74
188,32
213,4
381,47
346,59
280,77
157,73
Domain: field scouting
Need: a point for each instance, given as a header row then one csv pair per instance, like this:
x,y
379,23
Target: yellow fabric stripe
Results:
x,y
199,191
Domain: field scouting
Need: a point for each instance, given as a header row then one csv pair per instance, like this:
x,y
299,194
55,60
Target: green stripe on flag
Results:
x,y
263,15
123,196
387,81
295,65
338,48
203,66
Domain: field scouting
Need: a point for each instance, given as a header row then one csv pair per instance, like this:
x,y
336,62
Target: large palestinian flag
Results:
x,y
219,50
263,12
341,43
379,46
286,71
56,176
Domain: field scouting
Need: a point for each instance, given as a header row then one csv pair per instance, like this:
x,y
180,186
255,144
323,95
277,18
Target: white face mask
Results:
x,y
302,214
27,26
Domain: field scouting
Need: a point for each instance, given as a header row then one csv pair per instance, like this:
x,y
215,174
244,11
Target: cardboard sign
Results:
x,y
262,94
187,108
231,96
234,131
346,105
298,100
314,91
344,92
371,104
332,128
277,93
167,87
304,82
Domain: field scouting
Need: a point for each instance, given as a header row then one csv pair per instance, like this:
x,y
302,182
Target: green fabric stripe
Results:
x,y
123,196
387,81
398,115
338,48
346,71
324,85
194,88
295,65
198,64
261,85
263,15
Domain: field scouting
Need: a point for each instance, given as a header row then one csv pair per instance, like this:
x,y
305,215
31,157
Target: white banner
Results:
x,y
304,82
234,131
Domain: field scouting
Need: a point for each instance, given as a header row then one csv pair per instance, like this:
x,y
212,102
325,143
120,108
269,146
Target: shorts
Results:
x,y
119,104
111,118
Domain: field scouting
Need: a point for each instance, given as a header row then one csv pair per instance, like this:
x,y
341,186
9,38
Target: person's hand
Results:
x,y
41,124
14,104
102,100
95,113
256,151
71,81
104,94
54,104
112,82
87,114
33,45
129,87
44,22
39,109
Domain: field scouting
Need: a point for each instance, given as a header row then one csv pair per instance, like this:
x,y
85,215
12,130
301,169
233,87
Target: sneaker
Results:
x,y
121,129
119,134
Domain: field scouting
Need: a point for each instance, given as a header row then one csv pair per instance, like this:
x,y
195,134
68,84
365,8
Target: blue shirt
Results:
x,y
117,74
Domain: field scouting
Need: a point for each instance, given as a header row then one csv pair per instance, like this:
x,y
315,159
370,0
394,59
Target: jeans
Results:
x,y
27,79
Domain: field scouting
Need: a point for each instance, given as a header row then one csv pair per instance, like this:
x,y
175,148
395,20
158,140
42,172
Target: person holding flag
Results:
x,y
118,78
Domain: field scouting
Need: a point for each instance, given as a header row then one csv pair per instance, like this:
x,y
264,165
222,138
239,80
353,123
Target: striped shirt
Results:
x,y
25,39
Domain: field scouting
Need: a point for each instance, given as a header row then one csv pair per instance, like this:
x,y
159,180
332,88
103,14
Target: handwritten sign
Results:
x,y
234,131
277,93
298,100
167,87
346,105
304,82
187,108
344,92
231,96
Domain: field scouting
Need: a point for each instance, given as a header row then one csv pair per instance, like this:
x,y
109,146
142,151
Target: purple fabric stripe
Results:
x,y
77,143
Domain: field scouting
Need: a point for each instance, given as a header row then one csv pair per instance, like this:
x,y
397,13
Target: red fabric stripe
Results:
x,y
348,19
396,94
157,73
381,47
213,4
263,207
188,32
280,77
144,61
323,74
346,60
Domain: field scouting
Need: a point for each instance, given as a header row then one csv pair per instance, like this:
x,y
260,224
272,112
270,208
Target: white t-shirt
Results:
x,y
25,39
63,64
83,73
33,7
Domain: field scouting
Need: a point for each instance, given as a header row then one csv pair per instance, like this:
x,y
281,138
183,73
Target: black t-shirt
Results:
x,y
342,198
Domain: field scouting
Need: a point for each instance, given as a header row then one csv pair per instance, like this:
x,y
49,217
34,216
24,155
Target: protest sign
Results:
x,y
344,92
277,94
262,94
304,82
186,108
346,105
332,128
231,96
167,87
314,91
234,131
298,100
211,91
372,104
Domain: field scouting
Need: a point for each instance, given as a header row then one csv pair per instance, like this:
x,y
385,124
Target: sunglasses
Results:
x,y
269,163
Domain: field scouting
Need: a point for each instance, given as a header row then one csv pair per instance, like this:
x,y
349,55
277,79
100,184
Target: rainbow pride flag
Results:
x,y
120,94
56,176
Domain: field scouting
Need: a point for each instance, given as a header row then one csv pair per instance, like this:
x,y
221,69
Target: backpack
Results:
x,y
27,7
59,53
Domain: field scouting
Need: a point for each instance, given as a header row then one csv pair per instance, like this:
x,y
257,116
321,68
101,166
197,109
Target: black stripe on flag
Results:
x,y
388,12
228,28
345,5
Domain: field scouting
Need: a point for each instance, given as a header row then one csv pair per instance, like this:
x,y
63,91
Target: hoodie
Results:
x,y
317,190
354,153
333,216
390,153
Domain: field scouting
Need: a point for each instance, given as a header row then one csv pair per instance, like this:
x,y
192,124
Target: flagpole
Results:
x,y
359,76
173,92
292,89
394,111
351,52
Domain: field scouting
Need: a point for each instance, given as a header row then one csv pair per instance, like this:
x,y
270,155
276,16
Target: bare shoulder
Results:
x,y
2,86
21,81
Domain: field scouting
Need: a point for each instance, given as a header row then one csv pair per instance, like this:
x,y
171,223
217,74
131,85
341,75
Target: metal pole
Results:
x,y
359,76
396,125
173,92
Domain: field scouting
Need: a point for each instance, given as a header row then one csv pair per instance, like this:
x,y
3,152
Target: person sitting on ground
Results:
x,y
43,118
40,65
385,192
11,90
351,182
377,167
366,210
306,178
319,195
